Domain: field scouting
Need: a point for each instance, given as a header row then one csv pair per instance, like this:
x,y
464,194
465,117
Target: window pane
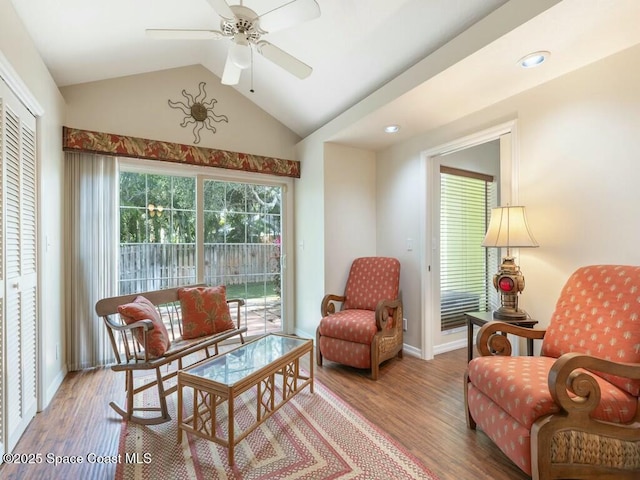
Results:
x,y
214,195
158,227
235,225
213,228
184,226
235,198
157,237
132,225
159,190
133,190
183,190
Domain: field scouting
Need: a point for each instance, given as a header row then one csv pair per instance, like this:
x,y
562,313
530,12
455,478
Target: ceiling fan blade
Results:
x,y
181,34
289,14
283,59
231,73
222,8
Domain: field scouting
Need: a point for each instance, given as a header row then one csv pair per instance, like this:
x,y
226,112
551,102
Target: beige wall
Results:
x,y
344,216
578,146
138,106
19,51
350,202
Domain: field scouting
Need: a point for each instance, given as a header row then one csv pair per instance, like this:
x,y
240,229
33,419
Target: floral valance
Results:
x,y
74,139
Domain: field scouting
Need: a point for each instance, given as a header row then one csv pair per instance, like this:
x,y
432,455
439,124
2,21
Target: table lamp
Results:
x,y
508,228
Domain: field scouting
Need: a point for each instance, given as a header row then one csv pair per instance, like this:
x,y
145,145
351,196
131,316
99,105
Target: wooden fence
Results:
x,y
152,266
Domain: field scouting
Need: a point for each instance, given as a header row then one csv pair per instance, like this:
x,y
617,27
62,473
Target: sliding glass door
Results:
x,y
178,230
242,246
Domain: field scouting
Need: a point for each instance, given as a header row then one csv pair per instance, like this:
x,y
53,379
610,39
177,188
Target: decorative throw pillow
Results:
x,y
142,309
204,311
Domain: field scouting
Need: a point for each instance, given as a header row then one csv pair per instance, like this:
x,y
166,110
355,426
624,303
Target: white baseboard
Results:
x,y
447,347
411,351
303,334
53,388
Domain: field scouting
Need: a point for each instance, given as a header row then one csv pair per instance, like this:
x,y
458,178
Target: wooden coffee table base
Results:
x,y
207,397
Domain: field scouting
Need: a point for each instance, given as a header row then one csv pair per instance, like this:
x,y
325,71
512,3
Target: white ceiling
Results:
x,y
575,32
356,47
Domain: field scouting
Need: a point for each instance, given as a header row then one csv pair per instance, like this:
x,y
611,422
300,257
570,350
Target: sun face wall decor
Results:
x,y
199,112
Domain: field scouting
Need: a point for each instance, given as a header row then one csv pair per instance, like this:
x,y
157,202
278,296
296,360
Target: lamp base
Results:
x,y
509,314
509,282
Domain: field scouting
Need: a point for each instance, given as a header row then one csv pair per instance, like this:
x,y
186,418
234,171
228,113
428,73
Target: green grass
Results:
x,y
251,290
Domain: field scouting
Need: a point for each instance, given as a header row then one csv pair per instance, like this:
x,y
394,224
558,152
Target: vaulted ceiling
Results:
x,y
356,48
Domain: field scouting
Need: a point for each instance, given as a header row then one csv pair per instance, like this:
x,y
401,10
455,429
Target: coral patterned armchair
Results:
x,y
573,411
368,328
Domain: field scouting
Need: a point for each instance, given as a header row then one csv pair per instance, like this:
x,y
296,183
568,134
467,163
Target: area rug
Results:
x,y
313,436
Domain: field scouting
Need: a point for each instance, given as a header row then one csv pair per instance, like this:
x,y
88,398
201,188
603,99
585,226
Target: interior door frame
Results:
x,y
509,174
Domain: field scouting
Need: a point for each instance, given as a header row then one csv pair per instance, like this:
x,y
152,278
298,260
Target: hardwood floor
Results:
x,y
419,403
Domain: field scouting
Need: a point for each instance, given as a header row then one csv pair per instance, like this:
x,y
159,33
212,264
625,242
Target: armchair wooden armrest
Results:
x,y
576,391
328,305
559,437
492,339
384,310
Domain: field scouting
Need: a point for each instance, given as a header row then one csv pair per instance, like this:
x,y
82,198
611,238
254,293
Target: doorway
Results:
x,y
491,152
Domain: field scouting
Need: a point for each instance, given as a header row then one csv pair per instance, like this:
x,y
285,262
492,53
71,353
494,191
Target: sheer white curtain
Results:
x,y
91,215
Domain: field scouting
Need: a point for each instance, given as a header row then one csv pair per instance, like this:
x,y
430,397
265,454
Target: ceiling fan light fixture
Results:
x,y
240,52
533,59
244,29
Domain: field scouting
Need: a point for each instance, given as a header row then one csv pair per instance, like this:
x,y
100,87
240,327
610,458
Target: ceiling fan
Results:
x,y
245,28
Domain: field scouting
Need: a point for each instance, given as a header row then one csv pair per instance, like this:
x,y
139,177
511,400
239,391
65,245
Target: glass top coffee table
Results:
x,y
225,377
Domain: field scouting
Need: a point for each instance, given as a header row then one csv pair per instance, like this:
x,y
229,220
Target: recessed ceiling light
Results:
x,y
533,59
392,128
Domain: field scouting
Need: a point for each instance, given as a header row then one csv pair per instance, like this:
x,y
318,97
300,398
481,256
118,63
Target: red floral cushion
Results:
x,y
357,326
142,309
356,355
204,311
519,386
598,313
372,279
506,432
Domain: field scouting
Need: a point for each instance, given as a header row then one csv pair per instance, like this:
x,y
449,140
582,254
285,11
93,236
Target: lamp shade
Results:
x,y
508,228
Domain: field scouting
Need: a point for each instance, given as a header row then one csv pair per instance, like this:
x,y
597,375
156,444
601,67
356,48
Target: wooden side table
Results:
x,y
480,318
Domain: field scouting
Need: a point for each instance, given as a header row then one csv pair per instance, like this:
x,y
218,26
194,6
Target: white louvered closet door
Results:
x,y
18,268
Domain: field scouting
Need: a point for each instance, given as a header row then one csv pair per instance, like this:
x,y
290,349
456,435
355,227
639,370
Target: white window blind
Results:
x,y
466,268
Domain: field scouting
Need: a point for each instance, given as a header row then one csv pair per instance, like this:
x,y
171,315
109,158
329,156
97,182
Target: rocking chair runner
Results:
x,y
574,411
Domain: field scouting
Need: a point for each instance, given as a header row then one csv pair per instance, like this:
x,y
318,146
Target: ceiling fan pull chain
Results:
x,y
251,89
